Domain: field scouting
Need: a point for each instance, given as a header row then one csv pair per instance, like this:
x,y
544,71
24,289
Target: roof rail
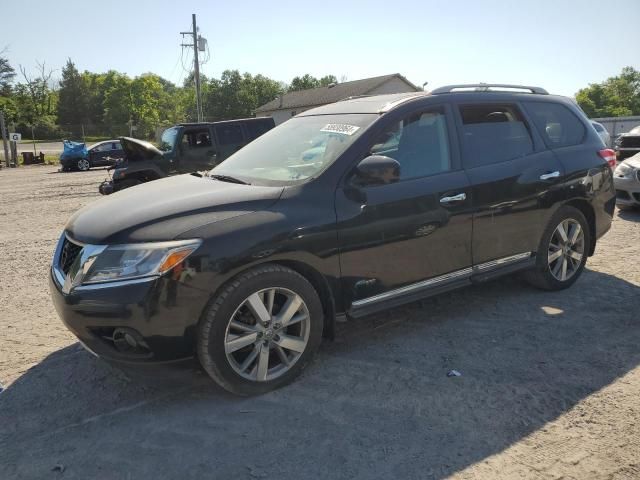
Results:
x,y
488,87
352,97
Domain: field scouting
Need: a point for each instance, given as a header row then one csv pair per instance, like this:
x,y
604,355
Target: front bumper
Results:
x,y
160,314
627,190
147,308
624,153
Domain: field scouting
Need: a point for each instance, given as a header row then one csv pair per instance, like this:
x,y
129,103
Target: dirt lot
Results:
x,y
550,383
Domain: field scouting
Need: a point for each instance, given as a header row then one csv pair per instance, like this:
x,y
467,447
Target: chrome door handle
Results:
x,y
461,197
547,176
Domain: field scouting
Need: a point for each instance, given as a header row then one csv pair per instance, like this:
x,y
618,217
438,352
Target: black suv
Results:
x,y
184,148
342,211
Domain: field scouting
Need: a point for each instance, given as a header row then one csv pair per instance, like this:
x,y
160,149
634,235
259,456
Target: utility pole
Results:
x,y
5,142
196,64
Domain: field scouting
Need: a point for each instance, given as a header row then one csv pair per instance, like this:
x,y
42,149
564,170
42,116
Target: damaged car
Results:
x,y
183,148
628,144
627,182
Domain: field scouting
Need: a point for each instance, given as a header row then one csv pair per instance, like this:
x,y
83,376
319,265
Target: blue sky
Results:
x,y
561,45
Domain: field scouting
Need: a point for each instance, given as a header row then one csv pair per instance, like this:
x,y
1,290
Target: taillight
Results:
x,y
608,156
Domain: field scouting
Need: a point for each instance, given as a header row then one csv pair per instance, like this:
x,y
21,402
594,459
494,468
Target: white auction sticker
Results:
x,y
340,128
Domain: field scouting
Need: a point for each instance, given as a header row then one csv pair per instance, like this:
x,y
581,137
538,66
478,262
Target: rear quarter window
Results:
x,y
557,124
255,129
493,133
229,134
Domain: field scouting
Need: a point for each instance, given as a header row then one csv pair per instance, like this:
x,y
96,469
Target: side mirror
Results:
x,y
377,170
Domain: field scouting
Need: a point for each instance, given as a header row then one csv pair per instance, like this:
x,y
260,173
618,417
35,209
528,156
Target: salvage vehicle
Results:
x,y
184,148
248,266
626,179
628,144
76,156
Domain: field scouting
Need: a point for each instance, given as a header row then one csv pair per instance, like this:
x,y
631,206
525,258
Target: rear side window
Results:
x,y
493,133
598,127
255,129
558,125
229,134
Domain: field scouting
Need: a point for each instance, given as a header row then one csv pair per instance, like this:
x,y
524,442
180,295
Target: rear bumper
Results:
x,y
69,161
153,311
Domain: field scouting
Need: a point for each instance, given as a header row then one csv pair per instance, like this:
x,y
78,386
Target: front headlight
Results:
x,y
624,170
136,260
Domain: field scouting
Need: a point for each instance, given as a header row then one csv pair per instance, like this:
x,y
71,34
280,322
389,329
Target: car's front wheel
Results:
x,y
83,165
261,330
563,250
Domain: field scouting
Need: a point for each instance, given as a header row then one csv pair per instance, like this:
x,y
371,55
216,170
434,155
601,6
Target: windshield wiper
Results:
x,y
228,178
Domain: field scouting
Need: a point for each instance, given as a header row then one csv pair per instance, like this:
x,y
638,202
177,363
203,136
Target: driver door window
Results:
x,y
418,142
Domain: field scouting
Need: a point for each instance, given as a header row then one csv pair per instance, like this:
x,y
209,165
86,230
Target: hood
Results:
x,y
135,149
163,209
633,161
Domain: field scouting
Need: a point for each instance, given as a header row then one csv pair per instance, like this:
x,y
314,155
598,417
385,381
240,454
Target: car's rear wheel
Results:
x,y
83,165
261,330
563,250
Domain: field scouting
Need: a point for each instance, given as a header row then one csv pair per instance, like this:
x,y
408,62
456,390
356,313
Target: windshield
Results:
x,y
168,139
298,149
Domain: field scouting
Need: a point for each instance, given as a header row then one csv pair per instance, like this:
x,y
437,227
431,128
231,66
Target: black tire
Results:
x,y
212,329
132,182
541,276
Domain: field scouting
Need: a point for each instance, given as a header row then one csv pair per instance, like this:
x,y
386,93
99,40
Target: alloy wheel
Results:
x,y
83,164
267,334
566,249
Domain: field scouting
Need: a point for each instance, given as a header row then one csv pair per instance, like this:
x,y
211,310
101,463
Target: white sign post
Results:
x,y
15,137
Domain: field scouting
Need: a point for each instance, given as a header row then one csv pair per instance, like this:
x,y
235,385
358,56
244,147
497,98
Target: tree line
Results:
x,y
110,103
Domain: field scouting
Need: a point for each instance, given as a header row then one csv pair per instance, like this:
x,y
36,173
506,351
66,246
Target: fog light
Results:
x,y
127,340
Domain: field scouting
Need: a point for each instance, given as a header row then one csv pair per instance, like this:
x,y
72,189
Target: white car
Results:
x,y
602,132
626,179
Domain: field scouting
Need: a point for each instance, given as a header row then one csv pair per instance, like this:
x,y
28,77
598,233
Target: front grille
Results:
x,y
68,255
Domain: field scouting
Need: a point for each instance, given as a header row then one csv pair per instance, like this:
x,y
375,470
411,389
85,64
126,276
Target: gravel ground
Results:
x,y
549,388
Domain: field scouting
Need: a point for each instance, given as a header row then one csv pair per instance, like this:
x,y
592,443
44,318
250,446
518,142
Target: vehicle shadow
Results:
x,y
377,403
632,215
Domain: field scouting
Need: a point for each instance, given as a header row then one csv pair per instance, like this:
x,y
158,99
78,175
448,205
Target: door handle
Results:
x,y
461,197
548,176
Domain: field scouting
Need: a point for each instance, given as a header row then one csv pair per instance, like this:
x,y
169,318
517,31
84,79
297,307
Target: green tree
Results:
x,y
117,100
616,96
303,83
309,81
327,80
7,74
34,98
73,98
236,96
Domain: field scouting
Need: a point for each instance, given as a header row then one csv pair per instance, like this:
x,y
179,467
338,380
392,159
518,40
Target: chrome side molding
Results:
x,y
441,279
465,272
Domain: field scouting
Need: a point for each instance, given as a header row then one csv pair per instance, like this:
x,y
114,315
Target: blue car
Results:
x,y
76,155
